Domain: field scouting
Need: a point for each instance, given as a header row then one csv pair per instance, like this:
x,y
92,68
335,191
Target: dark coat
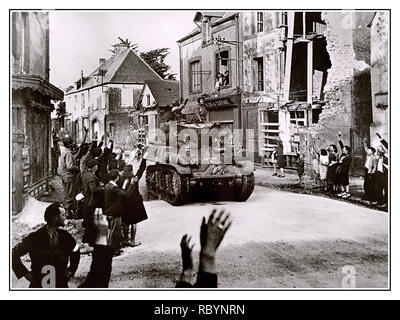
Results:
x,y
115,199
41,253
135,211
100,269
92,190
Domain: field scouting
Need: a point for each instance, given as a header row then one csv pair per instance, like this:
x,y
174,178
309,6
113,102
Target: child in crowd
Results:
x,y
369,173
300,167
331,178
344,167
323,167
315,166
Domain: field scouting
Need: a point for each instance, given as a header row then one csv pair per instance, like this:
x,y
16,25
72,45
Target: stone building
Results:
x,y
103,101
379,26
32,96
300,76
156,100
209,53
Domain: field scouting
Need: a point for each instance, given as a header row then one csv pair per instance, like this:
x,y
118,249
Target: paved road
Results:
x,y
277,240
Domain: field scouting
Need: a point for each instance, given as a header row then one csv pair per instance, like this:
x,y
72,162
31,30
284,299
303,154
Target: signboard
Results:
x,y
218,103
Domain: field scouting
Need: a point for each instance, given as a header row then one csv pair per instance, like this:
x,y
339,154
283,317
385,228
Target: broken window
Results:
x,y
260,74
222,64
195,76
298,118
315,114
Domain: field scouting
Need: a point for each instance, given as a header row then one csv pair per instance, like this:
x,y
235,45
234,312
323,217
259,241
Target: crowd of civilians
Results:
x,y
331,169
101,189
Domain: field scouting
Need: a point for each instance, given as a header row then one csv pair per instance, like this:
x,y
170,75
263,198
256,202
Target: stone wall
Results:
x,y
379,73
348,87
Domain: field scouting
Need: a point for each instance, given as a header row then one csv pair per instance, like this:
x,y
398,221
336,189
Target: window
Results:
x,y
103,100
260,21
82,101
112,129
75,102
195,76
98,103
260,74
126,97
222,64
298,118
148,100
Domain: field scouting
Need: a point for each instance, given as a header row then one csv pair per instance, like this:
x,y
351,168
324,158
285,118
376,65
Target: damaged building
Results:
x,y
294,75
32,104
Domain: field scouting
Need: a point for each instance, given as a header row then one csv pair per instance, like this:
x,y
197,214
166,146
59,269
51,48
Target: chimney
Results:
x,y
81,78
119,48
101,61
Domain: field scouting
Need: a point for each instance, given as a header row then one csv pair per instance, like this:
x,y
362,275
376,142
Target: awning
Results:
x,y
296,106
36,83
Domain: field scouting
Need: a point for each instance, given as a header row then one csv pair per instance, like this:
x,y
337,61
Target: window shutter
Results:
x,y
253,23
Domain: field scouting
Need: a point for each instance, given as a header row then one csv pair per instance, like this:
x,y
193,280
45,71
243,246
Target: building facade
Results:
x,y
297,76
32,96
210,67
103,101
379,76
156,101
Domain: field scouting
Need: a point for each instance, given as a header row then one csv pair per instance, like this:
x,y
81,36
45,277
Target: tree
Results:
x,y
126,43
155,59
60,110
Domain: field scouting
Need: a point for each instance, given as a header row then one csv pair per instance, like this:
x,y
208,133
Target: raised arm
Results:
x,y
86,132
212,233
365,145
101,266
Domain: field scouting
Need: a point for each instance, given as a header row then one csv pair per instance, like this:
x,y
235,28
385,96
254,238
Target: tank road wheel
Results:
x,y
176,187
150,179
246,189
153,180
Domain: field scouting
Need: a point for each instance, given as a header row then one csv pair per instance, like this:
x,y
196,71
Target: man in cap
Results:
x,y
93,193
382,168
50,249
67,170
114,201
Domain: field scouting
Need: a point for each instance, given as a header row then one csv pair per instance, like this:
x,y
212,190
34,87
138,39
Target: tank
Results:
x,y
179,165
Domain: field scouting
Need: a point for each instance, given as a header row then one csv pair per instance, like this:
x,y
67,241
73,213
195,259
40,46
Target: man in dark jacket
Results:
x,y
103,160
50,249
114,202
134,211
67,170
93,193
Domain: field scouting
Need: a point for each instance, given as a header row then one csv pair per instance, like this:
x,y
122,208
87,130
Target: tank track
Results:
x,y
167,184
246,189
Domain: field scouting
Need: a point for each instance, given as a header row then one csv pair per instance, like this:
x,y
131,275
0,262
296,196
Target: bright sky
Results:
x,y
79,38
